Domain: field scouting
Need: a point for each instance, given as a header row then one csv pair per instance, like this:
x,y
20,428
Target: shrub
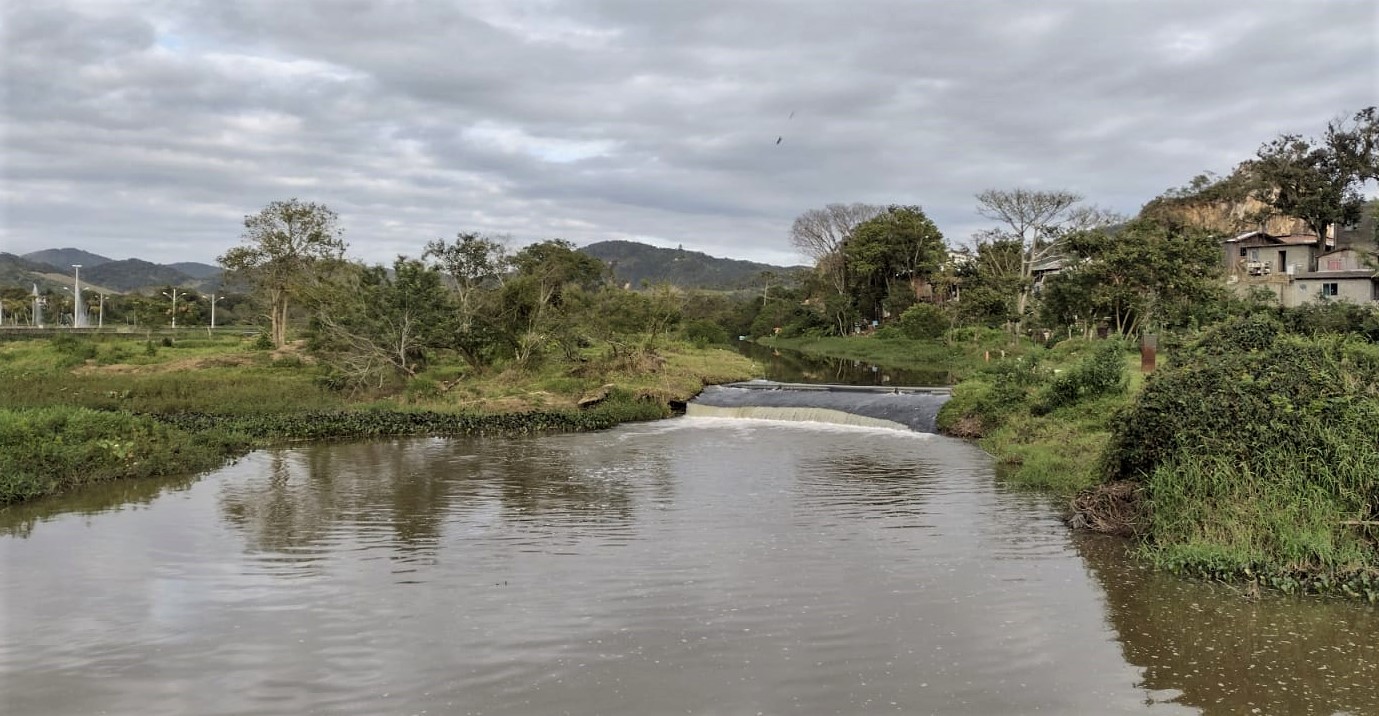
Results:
x,y
1099,374
704,333
923,321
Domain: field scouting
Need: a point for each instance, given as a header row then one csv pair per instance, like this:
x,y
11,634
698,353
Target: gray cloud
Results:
x,y
150,127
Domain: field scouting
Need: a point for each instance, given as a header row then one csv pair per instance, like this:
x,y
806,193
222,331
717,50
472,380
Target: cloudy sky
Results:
x,y
149,128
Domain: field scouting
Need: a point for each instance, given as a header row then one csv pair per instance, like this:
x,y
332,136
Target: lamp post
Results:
x,y
214,298
100,316
173,296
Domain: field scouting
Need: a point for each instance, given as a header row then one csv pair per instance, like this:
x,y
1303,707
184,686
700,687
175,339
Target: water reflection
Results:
x,y
702,566
1217,649
788,366
19,520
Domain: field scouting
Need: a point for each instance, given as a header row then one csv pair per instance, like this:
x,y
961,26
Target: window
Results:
x,y
1333,264
1331,289
1242,251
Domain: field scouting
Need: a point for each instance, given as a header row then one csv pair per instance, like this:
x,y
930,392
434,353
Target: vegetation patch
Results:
x,y
1256,457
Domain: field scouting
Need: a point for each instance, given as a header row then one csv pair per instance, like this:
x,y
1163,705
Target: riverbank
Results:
x,y
997,380
1243,460
80,411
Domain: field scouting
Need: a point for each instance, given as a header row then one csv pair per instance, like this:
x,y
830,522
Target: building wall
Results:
x,y
1299,256
1344,260
1353,290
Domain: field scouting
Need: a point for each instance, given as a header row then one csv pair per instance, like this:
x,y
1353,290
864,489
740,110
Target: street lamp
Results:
x,y
214,298
174,296
100,317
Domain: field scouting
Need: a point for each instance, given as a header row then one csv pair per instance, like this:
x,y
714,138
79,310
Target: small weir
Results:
x,y
898,408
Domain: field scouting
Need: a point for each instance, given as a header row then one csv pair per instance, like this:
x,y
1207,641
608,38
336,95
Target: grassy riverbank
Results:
x,y
78,411
1249,457
997,400
961,353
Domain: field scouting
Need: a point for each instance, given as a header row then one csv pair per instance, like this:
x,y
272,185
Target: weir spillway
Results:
x,y
899,408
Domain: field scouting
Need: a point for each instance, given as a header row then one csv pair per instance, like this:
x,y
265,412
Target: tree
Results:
x,y
286,242
1037,220
533,297
475,263
990,284
1147,273
821,233
1319,180
371,325
891,253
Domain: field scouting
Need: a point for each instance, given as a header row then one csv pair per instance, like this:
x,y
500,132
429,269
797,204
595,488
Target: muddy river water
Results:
x,y
687,566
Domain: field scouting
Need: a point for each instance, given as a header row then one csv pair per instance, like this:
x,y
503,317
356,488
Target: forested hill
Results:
x,y
52,269
633,263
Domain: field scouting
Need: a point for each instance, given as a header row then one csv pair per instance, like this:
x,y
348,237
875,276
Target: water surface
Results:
x,y
690,566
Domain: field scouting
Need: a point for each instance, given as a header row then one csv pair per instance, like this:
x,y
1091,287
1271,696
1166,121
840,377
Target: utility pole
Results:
x,y
100,317
214,298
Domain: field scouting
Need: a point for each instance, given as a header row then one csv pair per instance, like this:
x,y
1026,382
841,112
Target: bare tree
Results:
x,y
1038,220
820,234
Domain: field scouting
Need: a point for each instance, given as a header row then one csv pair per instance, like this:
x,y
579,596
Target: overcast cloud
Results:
x,y
149,128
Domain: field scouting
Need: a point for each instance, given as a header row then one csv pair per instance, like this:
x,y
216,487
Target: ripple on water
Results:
x,y
689,565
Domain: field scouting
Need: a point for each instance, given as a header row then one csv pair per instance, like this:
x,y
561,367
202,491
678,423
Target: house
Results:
x,y
1343,275
1294,268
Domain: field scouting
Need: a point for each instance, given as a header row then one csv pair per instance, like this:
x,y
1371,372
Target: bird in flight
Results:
x,y
778,139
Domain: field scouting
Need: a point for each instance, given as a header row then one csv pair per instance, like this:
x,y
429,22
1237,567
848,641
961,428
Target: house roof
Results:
x,y
1259,238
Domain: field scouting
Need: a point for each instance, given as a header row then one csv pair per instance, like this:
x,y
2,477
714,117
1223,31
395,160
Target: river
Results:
x,y
686,566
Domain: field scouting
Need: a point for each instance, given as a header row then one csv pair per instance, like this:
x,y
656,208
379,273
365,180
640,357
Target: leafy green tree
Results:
x,y
287,244
1147,274
533,298
371,325
476,265
890,253
1320,180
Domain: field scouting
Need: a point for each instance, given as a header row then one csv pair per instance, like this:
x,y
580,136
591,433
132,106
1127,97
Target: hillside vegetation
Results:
x,y
634,263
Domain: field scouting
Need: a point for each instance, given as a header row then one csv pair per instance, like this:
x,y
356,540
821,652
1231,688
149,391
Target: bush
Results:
x,y
1099,374
73,349
979,406
704,333
1299,392
923,321
263,342
888,333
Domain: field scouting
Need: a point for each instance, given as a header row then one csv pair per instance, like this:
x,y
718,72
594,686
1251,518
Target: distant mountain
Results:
x,y
63,259
634,262
134,274
196,270
21,272
52,269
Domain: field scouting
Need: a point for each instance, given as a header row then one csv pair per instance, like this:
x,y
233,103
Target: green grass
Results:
x,y
48,450
77,412
963,353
